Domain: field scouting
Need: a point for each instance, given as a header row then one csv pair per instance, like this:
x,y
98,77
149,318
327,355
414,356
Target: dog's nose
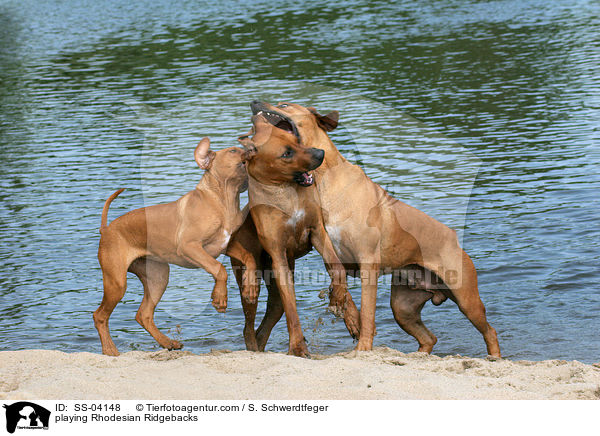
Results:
x,y
318,154
255,106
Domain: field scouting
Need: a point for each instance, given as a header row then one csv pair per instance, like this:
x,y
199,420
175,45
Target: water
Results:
x,y
100,95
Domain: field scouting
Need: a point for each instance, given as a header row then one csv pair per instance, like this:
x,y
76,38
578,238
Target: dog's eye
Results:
x,y
288,153
282,105
233,151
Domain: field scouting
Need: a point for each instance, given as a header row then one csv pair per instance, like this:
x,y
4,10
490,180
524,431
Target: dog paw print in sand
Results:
x,y
165,355
8,385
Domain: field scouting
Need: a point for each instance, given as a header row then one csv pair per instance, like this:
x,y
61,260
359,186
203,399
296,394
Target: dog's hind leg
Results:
x,y
248,305
154,276
406,306
114,277
274,310
466,295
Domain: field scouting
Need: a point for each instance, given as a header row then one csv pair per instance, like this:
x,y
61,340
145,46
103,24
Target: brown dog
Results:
x,y
190,232
285,209
373,233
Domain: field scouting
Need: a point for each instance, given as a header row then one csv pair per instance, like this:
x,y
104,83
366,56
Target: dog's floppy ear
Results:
x,y
249,145
248,154
326,122
203,154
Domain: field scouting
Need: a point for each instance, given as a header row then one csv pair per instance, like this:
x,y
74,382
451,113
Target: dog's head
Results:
x,y
228,164
305,123
274,155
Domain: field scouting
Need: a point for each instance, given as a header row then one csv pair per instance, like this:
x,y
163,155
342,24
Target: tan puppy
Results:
x,y
190,232
285,210
374,233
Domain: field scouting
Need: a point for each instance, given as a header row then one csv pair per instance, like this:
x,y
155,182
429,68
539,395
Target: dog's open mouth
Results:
x,y
279,121
304,179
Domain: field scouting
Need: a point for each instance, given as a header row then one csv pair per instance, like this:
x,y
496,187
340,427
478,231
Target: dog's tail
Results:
x,y
107,203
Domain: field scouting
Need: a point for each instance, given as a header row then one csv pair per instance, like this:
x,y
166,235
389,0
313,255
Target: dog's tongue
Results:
x,y
307,179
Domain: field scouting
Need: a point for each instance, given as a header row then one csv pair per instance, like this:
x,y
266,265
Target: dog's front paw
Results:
x,y
175,345
363,347
219,299
337,310
352,320
250,286
220,305
337,300
110,350
299,350
250,294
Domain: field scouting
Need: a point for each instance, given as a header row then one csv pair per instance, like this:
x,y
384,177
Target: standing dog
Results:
x,y
285,210
374,233
190,232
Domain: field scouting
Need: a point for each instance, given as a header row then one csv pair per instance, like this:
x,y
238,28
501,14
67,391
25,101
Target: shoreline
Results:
x,y
224,375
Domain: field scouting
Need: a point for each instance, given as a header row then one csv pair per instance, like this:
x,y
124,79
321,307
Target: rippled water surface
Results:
x,y
485,115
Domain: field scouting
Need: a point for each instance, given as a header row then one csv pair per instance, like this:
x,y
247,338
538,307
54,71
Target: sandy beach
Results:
x,y
381,374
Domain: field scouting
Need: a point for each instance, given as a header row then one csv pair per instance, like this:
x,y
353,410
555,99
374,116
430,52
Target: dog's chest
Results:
x,y
342,244
298,226
218,243
296,218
